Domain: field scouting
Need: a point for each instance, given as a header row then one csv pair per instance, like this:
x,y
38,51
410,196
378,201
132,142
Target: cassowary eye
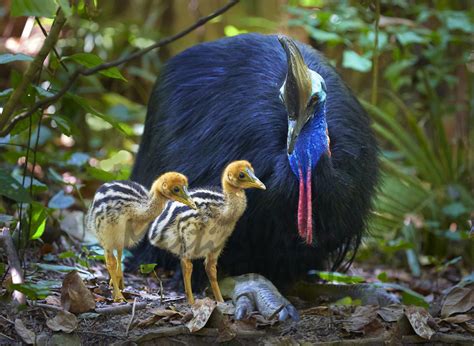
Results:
x,y
176,189
241,175
313,100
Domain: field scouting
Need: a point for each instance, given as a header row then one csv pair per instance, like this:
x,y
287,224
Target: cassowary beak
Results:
x,y
296,91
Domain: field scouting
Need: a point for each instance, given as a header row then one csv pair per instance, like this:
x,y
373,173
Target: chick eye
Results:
x,y
241,175
176,189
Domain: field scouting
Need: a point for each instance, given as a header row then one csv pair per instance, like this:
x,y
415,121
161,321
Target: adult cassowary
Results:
x,y
281,106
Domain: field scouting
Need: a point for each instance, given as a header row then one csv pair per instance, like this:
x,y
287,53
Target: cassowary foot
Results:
x,y
253,292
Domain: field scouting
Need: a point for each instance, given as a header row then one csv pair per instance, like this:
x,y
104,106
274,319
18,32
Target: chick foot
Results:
x,y
253,292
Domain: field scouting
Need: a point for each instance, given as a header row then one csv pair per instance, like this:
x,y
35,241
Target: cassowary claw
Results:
x,y
254,292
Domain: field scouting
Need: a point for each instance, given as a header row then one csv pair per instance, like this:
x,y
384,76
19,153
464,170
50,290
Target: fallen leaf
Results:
x,y
53,300
363,320
318,310
75,296
165,312
227,308
458,318
391,313
27,335
458,300
420,321
148,321
202,310
64,321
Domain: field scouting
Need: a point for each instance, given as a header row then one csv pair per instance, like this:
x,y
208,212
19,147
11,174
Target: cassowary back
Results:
x,y
218,102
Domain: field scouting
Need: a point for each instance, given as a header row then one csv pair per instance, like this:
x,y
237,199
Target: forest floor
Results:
x,y
73,306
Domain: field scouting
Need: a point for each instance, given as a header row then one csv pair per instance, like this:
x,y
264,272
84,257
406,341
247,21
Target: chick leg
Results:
x,y
187,268
211,270
111,263
119,269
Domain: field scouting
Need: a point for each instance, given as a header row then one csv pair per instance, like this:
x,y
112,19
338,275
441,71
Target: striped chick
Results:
x,y
202,233
121,212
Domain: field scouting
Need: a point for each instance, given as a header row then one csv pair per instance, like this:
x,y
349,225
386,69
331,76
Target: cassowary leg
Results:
x,y
111,263
211,270
253,292
187,268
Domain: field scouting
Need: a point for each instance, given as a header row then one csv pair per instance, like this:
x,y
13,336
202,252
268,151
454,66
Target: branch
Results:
x,y
87,72
13,263
33,69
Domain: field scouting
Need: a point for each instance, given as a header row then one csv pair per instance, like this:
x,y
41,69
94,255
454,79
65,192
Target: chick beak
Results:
x,y
254,181
186,198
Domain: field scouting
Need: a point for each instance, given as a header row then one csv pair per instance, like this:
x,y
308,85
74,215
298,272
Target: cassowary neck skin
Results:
x,y
312,141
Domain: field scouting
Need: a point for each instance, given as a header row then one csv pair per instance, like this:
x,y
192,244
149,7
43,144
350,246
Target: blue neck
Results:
x,y
311,143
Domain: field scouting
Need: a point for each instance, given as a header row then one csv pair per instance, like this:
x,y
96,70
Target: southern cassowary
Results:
x,y
280,105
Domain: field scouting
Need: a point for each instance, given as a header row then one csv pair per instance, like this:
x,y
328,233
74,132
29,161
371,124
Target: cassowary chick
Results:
x,y
121,212
202,233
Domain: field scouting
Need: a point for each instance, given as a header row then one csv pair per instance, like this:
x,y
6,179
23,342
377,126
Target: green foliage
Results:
x,y
425,196
8,58
147,268
339,277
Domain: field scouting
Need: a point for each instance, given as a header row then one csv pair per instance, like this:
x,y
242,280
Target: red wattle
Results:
x,y
309,209
302,208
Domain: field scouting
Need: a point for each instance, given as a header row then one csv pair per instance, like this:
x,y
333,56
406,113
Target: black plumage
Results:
x,y
218,102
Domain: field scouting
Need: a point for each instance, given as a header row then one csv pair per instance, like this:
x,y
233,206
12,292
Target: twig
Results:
x,y
33,68
13,263
87,72
6,319
43,30
120,309
6,337
439,337
132,317
47,306
375,55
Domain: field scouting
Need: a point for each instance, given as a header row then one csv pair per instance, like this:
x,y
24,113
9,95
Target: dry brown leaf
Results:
x,y
420,321
202,310
391,313
53,300
165,312
458,318
64,321
458,300
318,310
363,320
75,296
148,321
27,335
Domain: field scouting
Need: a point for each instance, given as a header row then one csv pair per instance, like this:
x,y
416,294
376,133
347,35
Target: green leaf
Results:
x,y
409,37
11,188
63,123
100,174
91,60
383,277
409,296
7,58
24,124
147,268
354,61
34,8
323,36
61,201
84,104
455,209
38,220
339,277
33,291
67,254
65,6
348,301
6,219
